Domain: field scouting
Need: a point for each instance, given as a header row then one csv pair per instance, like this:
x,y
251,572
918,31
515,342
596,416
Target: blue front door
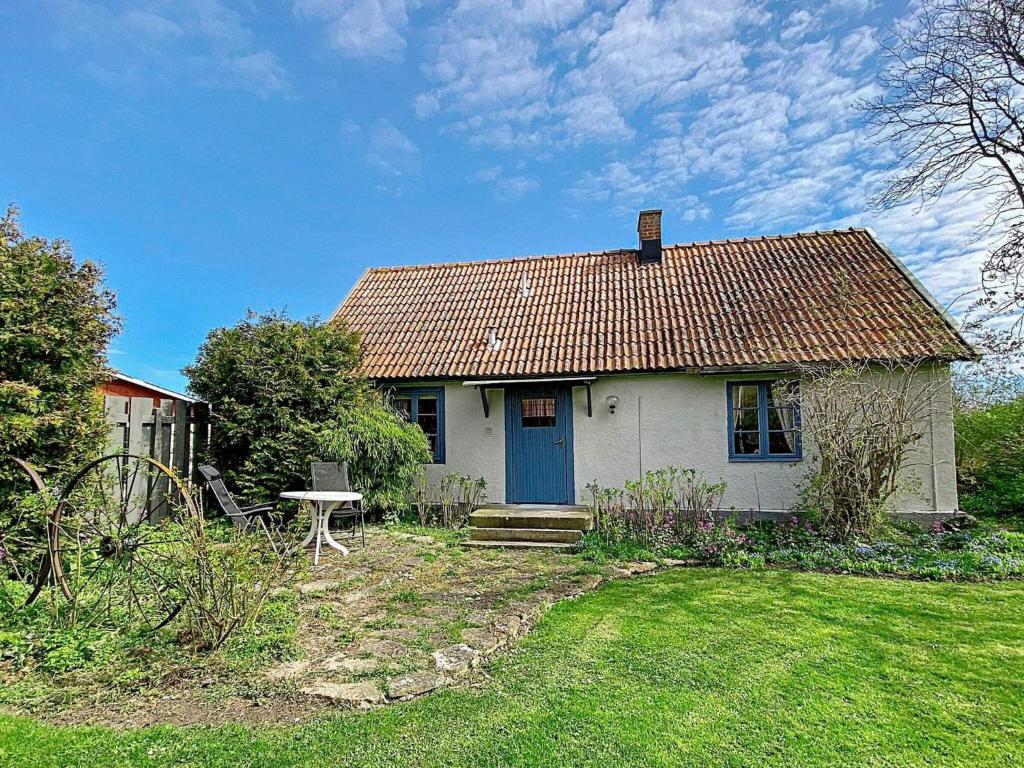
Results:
x,y
538,445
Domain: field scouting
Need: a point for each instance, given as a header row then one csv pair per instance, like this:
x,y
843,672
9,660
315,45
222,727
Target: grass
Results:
x,y
691,667
67,665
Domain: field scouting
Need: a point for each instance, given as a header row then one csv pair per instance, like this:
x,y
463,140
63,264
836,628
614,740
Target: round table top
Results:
x,y
322,495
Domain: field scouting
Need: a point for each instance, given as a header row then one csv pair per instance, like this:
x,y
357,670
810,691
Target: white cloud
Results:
x,y
506,188
695,209
361,29
515,187
851,7
199,41
513,75
391,151
798,25
856,47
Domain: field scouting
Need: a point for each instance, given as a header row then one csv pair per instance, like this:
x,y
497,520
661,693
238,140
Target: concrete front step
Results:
x,y
549,535
566,519
551,545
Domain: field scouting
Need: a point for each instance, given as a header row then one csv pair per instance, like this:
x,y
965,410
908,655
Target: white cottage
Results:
x,y
545,374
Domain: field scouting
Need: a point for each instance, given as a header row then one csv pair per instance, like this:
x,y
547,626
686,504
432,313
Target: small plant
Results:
x,y
456,497
408,597
422,497
664,504
225,584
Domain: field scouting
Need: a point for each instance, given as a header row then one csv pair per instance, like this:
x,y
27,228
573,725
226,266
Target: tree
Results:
x,y
864,422
283,393
952,108
56,321
990,458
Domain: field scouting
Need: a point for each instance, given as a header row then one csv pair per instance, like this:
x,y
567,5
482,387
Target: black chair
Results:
x,y
333,476
243,517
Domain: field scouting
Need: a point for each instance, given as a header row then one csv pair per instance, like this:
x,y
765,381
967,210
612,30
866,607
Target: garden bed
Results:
x,y
982,552
409,613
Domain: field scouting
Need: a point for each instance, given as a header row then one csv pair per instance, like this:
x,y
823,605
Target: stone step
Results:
x,y
548,545
539,518
550,535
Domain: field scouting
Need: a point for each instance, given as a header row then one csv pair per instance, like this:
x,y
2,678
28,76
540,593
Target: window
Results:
x,y
426,408
764,420
538,411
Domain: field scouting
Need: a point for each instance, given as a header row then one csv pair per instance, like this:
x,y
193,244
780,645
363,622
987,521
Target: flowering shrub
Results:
x,y
716,542
905,551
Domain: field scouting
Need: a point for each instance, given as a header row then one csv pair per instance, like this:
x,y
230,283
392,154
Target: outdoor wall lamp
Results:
x,y
612,401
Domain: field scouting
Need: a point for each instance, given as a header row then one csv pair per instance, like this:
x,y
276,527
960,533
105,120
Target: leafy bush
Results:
x,y
990,459
385,454
56,320
285,393
663,504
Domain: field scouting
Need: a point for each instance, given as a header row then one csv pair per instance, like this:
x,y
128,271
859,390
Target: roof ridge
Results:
x,y
501,260
609,251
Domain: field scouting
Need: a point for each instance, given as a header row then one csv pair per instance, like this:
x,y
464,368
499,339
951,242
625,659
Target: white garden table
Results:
x,y
321,504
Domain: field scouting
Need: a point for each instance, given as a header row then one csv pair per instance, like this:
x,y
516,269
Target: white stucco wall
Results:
x,y
474,446
680,420
676,420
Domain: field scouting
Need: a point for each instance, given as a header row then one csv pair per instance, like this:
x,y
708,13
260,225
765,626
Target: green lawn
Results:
x,y
692,667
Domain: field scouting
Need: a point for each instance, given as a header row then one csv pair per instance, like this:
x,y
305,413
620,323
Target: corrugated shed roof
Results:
x,y
785,299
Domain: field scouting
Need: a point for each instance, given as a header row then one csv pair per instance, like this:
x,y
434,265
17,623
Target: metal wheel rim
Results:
x,y
128,551
42,571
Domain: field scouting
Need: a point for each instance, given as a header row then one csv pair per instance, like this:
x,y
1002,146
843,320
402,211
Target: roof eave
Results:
x,y
927,295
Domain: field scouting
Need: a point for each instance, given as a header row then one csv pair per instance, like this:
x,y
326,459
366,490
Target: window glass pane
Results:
x,y
781,418
426,404
404,406
744,396
428,423
745,418
432,441
538,411
785,393
782,442
746,443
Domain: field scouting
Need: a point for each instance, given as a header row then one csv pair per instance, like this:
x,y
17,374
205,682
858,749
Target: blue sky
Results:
x,y
218,155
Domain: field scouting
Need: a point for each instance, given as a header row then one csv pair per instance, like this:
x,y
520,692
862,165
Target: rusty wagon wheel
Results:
x,y
113,540
24,554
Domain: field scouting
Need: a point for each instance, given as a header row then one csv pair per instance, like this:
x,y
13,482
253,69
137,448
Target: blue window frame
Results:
x,y
424,406
764,420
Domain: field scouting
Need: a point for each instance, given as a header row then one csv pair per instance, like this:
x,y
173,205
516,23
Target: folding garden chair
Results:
x,y
244,518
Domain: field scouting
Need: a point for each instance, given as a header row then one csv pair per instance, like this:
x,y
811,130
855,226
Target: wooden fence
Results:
x,y
164,429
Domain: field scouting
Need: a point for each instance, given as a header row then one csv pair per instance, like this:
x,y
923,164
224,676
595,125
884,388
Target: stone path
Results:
x,y
409,614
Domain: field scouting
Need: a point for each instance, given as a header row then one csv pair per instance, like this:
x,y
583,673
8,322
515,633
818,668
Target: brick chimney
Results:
x,y
649,227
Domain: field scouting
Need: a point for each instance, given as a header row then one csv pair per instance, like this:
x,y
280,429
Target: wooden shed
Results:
x,y
151,420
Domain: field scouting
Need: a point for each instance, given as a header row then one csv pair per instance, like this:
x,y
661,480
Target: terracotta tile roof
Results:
x,y
759,301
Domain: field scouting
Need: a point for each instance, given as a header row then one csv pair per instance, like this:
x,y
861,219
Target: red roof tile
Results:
x,y
760,301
